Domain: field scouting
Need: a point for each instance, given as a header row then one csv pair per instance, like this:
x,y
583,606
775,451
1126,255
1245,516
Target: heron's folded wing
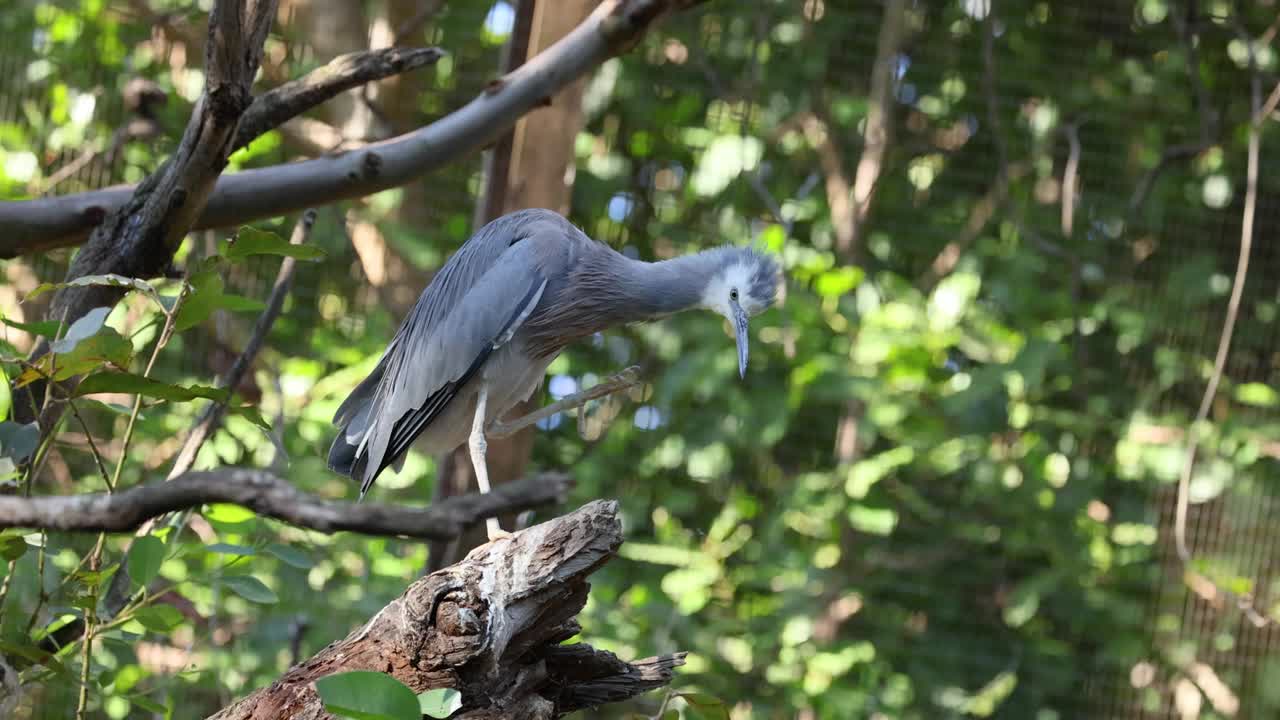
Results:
x,y
433,360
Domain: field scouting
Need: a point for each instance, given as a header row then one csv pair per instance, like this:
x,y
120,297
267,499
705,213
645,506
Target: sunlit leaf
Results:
x,y
6,395
88,325
105,347
365,695
1254,393
839,281
228,513
145,557
440,703
251,588
252,241
107,280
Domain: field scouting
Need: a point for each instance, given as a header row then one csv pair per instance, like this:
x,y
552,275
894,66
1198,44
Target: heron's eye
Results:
x,y
733,294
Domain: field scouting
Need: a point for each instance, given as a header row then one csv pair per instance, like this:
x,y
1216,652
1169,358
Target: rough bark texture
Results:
x,y
490,627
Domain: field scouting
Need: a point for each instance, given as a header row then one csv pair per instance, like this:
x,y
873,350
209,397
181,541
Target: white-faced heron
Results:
x,y
482,334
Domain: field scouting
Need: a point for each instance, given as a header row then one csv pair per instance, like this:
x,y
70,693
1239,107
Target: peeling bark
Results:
x,y
489,627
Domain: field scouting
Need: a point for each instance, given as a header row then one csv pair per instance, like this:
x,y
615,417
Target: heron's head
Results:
x,y
742,285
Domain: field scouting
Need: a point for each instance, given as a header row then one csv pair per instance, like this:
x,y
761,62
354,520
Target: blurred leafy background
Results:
x,y
946,487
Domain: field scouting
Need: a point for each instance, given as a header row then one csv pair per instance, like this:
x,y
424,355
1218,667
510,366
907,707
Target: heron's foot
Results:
x,y
495,530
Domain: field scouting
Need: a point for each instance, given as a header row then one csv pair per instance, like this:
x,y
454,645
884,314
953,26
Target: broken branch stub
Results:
x,y
489,627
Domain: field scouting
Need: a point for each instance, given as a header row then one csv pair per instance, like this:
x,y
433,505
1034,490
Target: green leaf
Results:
x,y
84,328
251,588
148,705
702,705
207,296
108,279
158,618
365,695
439,703
43,328
229,549
290,555
139,385
1254,393
80,354
839,281
6,395
18,440
96,578
12,547
252,241
228,513
145,556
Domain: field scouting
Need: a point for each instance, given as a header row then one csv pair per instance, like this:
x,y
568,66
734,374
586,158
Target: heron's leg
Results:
x,y
477,445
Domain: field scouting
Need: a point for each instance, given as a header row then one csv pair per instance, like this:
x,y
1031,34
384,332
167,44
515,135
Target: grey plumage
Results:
x,y
500,310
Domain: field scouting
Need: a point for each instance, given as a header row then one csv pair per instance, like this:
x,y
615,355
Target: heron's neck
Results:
x,y
656,289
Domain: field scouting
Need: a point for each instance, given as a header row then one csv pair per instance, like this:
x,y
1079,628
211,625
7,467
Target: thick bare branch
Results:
x,y
490,627
615,27
340,74
270,496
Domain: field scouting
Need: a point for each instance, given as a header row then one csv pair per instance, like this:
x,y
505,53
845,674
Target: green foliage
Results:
x,y
145,556
252,241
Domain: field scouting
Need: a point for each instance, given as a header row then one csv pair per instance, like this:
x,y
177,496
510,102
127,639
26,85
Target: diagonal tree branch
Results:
x,y
270,496
138,238
614,28
340,74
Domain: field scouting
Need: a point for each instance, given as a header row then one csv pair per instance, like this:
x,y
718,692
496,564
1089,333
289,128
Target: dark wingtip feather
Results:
x,y
342,455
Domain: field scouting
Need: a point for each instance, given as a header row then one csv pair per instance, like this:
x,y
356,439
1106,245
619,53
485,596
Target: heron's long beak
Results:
x,y
740,329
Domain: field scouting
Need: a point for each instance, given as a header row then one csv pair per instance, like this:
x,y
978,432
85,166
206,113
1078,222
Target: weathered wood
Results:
x,y
490,627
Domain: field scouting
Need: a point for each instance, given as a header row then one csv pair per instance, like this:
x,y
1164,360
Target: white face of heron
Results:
x,y
733,285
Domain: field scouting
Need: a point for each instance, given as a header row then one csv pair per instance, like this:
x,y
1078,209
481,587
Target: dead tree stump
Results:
x,y
489,627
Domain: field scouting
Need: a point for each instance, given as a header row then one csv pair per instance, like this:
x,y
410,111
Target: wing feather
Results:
x,y
473,305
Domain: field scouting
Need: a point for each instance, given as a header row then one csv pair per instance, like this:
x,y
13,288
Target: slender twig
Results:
x,y
1069,179
213,414
93,446
270,496
1257,117
624,380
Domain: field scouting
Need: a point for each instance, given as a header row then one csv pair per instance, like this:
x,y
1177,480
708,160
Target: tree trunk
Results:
x,y
489,627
